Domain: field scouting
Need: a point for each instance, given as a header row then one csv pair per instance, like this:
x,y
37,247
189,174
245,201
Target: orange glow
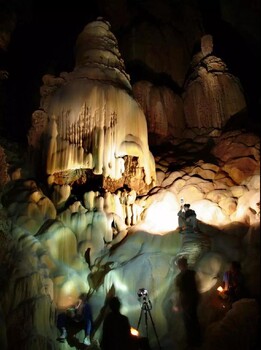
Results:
x,y
220,289
134,332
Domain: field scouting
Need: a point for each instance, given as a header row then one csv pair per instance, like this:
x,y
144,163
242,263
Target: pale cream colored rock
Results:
x,y
228,205
238,191
178,185
88,199
172,178
164,204
253,182
241,169
204,185
93,120
223,180
245,202
217,195
60,242
204,173
160,177
191,193
60,194
209,212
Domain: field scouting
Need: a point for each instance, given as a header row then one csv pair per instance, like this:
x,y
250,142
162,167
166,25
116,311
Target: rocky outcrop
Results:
x,y
238,154
72,249
95,131
163,109
26,300
212,95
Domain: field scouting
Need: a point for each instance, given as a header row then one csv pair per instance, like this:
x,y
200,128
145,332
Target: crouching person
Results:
x,y
79,316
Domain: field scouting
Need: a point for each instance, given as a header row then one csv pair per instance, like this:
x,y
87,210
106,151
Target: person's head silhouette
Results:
x,y
115,304
182,263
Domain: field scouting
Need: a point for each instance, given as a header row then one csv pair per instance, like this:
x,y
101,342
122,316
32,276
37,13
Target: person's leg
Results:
x,y
192,326
61,325
87,317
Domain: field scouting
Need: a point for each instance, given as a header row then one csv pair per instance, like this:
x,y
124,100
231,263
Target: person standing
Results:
x,y
116,330
187,300
233,282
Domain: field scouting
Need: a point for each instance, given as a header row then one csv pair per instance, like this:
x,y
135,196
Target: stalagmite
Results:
x,y
95,126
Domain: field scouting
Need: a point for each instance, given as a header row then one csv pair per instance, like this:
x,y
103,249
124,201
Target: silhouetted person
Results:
x,y
187,301
233,282
116,333
187,219
80,314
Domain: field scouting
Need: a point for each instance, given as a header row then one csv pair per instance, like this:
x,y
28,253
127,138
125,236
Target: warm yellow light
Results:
x,y
220,289
161,216
134,332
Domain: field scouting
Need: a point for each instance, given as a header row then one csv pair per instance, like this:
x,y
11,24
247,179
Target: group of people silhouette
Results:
x,y
116,329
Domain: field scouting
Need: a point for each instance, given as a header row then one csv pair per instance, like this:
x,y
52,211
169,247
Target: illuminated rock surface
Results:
x,y
144,252
56,244
92,123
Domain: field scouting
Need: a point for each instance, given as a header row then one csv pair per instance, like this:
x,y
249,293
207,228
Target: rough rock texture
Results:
x,y
26,301
94,126
163,109
77,248
212,95
238,154
115,243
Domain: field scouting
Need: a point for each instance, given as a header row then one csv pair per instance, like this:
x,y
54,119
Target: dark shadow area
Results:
x,y
138,70
242,120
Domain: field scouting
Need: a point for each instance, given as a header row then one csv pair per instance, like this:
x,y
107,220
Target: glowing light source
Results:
x,y
220,289
221,292
134,332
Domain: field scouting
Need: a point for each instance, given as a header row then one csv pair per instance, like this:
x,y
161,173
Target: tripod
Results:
x,y
146,307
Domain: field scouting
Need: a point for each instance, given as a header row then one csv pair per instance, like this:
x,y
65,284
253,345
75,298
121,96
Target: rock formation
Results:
x,y
212,95
122,235
91,126
163,109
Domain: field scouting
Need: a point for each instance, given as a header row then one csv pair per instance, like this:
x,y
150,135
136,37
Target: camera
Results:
x,y
142,292
143,295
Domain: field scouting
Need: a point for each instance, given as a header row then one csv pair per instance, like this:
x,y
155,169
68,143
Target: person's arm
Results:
x,y
194,223
181,212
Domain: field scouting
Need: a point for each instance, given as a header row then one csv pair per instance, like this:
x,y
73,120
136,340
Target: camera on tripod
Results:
x,y
146,306
143,295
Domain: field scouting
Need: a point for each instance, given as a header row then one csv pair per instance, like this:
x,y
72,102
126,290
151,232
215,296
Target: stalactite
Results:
x,y
98,117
